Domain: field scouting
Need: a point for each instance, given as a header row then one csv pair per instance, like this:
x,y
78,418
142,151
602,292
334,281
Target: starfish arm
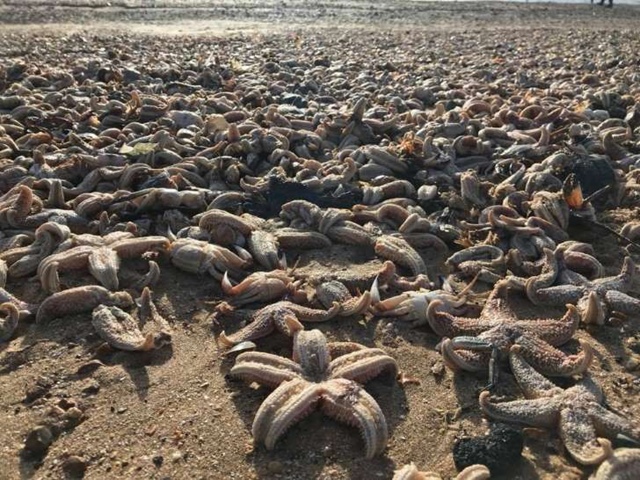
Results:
x,y
579,437
260,327
356,306
460,359
474,472
362,366
592,309
266,369
10,322
104,264
555,296
552,362
555,332
496,306
622,302
608,424
411,472
287,404
311,352
532,383
622,281
307,314
445,324
539,412
348,402
548,276
589,387
624,464
337,349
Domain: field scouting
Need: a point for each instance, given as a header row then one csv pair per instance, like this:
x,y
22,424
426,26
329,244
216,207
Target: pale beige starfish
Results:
x,y
278,316
121,330
321,374
622,464
78,300
411,472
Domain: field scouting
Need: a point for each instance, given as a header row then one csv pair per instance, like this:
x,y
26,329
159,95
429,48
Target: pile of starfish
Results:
x,y
330,375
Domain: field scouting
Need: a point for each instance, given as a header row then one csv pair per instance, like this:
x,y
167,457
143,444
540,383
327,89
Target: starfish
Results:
x,y
321,373
497,329
330,292
8,324
279,316
622,464
78,300
596,300
102,260
399,251
577,412
122,331
410,472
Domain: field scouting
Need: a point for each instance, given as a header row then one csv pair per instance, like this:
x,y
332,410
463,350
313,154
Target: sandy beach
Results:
x,y
176,412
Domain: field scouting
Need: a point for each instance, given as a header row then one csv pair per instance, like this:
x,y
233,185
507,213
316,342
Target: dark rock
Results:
x,y
39,439
38,390
74,467
92,387
295,100
280,191
498,450
67,403
158,460
593,173
130,75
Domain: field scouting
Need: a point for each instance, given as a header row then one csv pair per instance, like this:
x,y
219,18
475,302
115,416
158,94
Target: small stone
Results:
x,y
204,385
632,364
158,460
73,416
39,439
130,75
74,467
176,456
438,369
91,388
121,410
56,411
38,390
274,467
89,367
67,403
184,118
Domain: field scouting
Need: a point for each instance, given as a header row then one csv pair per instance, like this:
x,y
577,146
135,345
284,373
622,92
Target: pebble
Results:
x,y
274,467
632,364
438,369
73,416
74,467
39,439
91,388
